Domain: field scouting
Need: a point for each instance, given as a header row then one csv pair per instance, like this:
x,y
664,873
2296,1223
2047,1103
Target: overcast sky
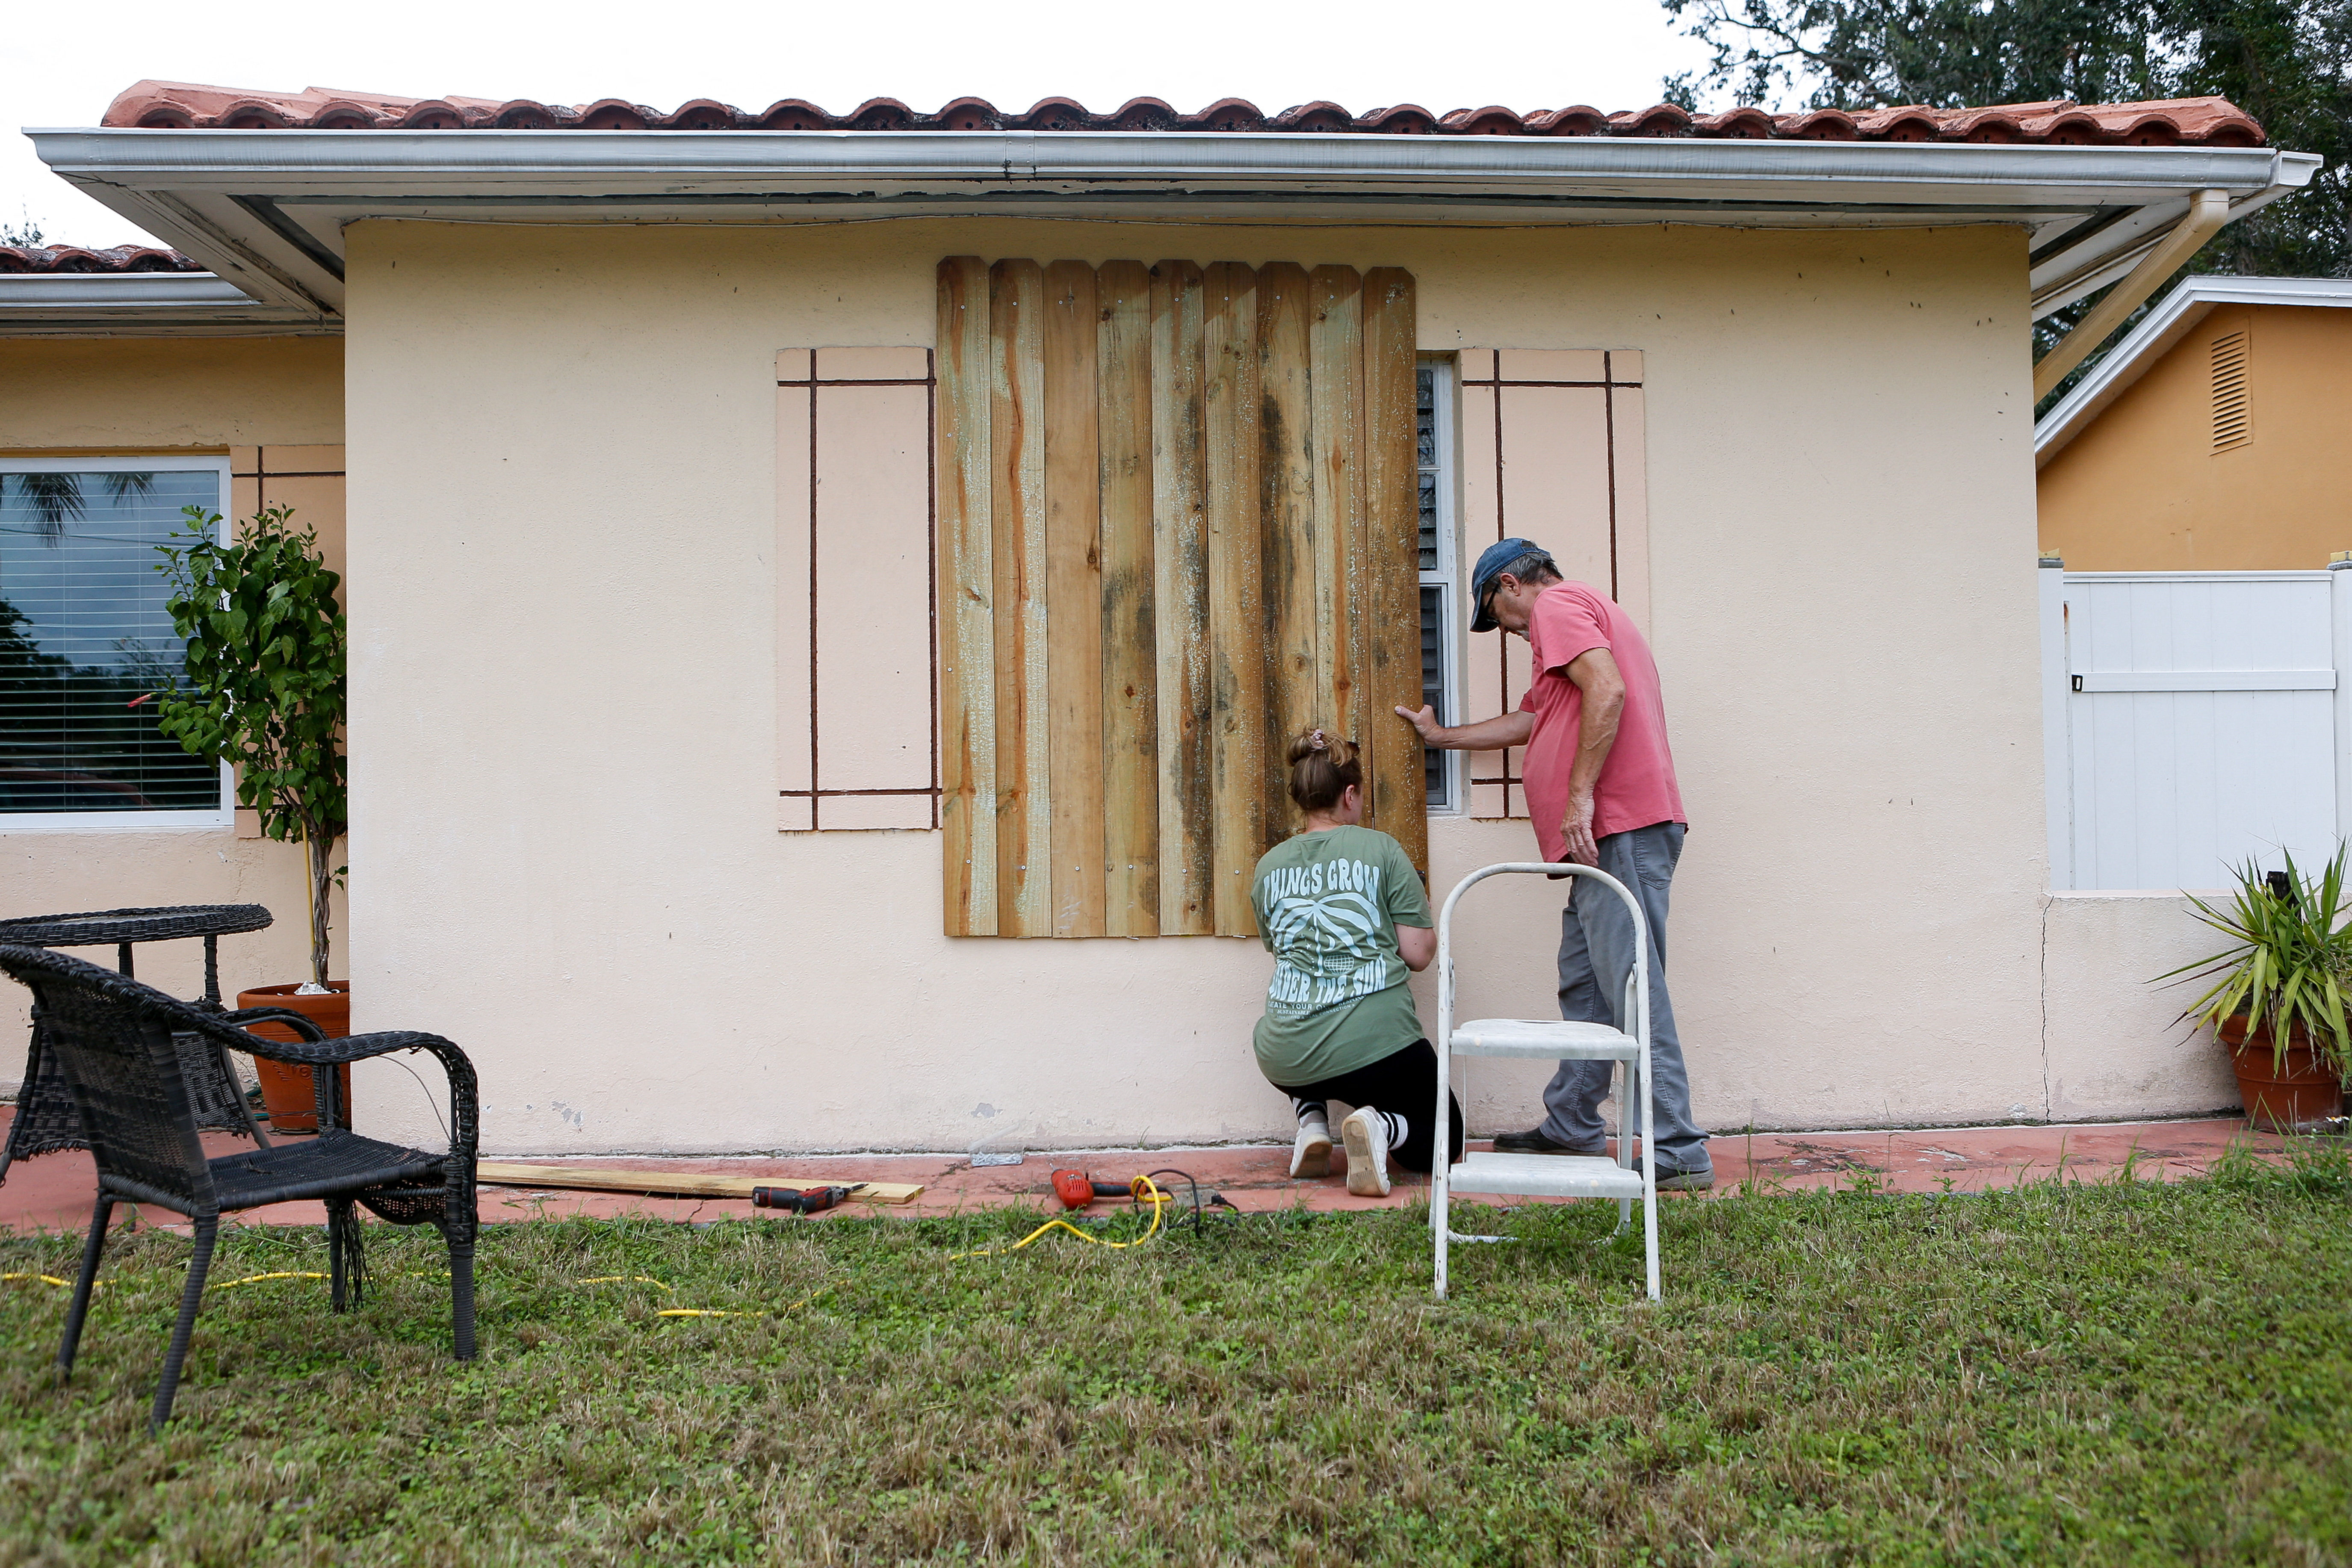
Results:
x,y
61,65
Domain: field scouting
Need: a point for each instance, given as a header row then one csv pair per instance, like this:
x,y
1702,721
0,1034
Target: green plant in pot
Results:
x,y
264,691
2276,997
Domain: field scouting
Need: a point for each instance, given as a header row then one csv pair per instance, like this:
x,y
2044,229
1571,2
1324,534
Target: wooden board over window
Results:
x,y
1177,525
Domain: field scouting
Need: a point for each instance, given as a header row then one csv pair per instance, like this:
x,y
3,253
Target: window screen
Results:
x,y
1434,454
85,641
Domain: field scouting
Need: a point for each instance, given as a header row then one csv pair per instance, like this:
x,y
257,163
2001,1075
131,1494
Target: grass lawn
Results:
x,y
2061,1374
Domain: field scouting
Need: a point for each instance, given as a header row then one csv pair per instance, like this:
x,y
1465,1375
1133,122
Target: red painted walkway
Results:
x,y
54,1191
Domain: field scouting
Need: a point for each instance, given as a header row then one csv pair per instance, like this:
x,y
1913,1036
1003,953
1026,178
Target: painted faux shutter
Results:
x,y
1552,450
1177,524
857,731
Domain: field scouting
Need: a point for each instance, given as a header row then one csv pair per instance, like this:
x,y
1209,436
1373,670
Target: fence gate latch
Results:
x,y
2078,683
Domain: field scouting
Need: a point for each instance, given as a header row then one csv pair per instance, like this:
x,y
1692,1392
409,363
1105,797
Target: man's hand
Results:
x,y
1425,722
1510,729
1576,829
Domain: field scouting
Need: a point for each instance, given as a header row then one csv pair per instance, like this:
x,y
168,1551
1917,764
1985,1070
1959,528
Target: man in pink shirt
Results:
x,y
1600,790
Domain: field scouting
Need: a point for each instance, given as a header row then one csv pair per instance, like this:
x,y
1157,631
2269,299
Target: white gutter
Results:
x,y
265,209
386,161
142,304
2060,282
2173,317
2206,214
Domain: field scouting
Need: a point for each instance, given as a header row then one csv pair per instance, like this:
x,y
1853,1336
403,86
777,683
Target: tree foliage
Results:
x,y
267,649
2288,63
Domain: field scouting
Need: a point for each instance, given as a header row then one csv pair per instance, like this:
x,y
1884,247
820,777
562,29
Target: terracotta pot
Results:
x,y
289,1092
2300,1091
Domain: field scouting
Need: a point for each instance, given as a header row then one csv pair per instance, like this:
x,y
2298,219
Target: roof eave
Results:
x,y
230,198
143,305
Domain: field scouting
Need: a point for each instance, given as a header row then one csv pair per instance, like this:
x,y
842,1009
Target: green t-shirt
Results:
x,y
1328,905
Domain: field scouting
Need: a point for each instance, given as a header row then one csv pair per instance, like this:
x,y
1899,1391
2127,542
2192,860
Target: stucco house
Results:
x,y
823,586
2211,437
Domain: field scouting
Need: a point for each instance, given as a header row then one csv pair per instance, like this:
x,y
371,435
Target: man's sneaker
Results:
x,y
1366,1132
1535,1141
1311,1155
1686,1181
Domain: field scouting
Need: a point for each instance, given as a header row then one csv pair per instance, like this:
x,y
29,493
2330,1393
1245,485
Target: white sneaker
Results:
x,y
1311,1155
1366,1132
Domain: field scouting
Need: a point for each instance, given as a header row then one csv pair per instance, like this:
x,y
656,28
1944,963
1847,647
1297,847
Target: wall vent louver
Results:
x,y
2233,423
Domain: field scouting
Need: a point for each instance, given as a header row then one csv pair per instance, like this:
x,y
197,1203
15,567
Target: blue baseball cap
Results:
x,y
1492,562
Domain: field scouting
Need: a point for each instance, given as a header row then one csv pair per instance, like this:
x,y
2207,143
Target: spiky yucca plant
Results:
x,y
2291,962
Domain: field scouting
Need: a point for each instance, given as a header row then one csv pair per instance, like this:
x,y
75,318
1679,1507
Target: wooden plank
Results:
x,y
1074,599
672,1184
1287,511
967,600
1180,569
1335,357
1393,753
1130,699
1024,823
1238,678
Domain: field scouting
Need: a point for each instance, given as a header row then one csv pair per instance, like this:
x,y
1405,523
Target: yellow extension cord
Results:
x,y
1143,1188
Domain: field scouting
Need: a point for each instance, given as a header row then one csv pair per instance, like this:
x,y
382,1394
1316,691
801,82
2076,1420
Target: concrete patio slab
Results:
x,y
54,1191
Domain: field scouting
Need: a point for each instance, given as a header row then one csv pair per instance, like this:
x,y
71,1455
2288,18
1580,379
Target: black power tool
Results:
x,y
800,1199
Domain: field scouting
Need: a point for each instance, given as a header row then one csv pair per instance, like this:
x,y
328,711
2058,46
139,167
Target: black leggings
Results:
x,y
1404,1082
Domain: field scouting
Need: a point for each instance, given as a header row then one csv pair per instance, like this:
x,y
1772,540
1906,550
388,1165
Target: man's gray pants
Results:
x,y
1596,954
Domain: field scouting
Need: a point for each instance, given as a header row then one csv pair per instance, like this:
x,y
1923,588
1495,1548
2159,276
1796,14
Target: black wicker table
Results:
x,y
46,1119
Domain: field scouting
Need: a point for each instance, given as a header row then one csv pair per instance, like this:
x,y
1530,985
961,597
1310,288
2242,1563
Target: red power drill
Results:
x,y
800,1200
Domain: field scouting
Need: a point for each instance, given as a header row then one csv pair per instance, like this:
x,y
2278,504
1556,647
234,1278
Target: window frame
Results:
x,y
225,815
1446,405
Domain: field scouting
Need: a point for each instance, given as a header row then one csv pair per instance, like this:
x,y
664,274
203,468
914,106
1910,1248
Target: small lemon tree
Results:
x,y
267,649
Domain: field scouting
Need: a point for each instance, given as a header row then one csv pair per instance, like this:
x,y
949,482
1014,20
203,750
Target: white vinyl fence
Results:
x,y
2193,721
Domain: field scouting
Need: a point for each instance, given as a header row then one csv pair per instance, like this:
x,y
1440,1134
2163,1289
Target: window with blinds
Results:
x,y
86,645
1441,566
2233,423
1176,518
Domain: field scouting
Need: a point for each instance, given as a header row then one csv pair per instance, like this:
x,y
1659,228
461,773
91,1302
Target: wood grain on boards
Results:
x,y
1177,526
1392,612
967,602
1130,716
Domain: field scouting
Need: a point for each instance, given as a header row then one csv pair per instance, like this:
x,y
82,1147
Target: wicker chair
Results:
x,y
113,1039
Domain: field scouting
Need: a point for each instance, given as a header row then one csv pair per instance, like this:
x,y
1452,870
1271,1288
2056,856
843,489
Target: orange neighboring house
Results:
x,y
2212,439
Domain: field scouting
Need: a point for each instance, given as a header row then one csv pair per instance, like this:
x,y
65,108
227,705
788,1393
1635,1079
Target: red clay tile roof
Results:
x,y
2179,121
79,258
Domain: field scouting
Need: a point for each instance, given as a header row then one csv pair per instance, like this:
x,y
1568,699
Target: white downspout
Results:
x,y
2207,211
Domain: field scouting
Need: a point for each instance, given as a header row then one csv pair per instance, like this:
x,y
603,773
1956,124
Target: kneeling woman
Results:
x,y
1343,912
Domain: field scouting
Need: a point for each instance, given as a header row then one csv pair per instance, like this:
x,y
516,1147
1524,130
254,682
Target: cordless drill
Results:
x,y
799,1200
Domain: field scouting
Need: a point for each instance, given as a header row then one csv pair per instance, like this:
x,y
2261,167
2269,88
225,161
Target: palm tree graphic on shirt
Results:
x,y
1330,947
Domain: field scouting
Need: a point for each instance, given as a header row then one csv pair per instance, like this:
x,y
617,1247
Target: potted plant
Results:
x,y
265,692
2277,995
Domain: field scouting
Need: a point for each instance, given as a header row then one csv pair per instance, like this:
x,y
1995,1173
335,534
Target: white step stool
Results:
x,y
1550,1040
